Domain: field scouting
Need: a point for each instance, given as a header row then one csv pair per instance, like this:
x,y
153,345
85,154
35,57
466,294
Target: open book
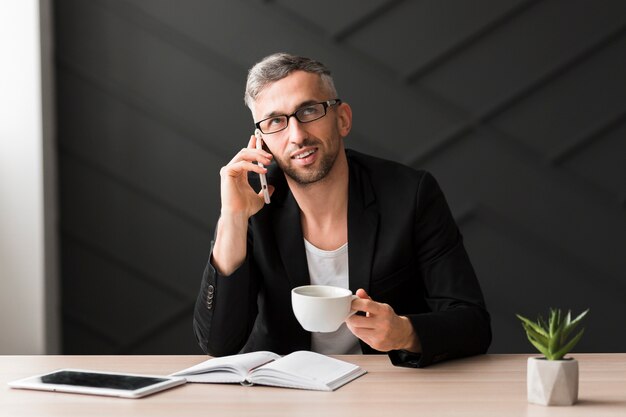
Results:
x,y
302,369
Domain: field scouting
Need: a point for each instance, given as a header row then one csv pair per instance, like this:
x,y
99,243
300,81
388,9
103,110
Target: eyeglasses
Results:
x,y
305,114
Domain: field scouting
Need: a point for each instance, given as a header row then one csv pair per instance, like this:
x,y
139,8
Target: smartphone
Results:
x,y
259,145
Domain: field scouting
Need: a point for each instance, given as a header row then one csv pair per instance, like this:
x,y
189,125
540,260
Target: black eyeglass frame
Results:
x,y
326,104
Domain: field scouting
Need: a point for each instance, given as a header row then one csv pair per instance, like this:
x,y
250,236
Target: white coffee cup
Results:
x,y
321,308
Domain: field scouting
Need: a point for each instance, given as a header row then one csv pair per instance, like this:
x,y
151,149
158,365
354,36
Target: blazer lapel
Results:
x,y
290,242
362,228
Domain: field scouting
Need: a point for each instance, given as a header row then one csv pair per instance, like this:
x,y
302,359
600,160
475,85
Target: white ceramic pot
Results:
x,y
552,382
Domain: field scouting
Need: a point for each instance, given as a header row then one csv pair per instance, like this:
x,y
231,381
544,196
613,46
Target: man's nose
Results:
x,y
295,130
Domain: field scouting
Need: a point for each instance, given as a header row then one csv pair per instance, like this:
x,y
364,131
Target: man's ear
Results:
x,y
344,119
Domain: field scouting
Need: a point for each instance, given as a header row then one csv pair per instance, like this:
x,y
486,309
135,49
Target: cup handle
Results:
x,y
353,312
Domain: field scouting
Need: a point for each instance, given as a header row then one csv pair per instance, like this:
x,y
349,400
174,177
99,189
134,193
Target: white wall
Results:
x,y
28,278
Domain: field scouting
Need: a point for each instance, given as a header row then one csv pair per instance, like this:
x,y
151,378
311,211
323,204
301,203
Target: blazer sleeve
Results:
x,y
226,307
458,323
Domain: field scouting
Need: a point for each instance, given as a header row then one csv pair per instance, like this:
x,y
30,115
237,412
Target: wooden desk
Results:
x,y
490,385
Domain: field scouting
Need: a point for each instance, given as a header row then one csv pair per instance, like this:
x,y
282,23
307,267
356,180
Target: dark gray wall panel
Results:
x,y
581,99
534,277
513,57
131,229
516,106
345,14
415,33
109,295
172,338
79,338
602,162
141,151
545,201
148,69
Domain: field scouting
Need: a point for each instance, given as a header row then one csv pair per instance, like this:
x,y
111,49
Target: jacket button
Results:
x,y
209,297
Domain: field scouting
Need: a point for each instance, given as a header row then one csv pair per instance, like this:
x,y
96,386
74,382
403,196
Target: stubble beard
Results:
x,y
306,176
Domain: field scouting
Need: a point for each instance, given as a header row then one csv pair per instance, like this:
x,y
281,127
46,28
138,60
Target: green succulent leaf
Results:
x,y
541,348
568,347
555,339
551,337
551,322
536,327
538,337
574,323
568,318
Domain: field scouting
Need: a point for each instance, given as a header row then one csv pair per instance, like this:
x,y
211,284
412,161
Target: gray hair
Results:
x,y
276,67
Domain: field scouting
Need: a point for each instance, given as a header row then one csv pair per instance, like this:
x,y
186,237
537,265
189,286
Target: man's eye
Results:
x,y
308,111
275,121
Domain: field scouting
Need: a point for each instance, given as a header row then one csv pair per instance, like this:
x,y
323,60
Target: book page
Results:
x,y
228,369
307,370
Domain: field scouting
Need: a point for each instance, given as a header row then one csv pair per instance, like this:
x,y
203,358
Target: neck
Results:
x,y
324,206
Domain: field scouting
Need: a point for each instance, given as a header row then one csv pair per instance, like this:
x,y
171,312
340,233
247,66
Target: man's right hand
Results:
x,y
239,203
237,195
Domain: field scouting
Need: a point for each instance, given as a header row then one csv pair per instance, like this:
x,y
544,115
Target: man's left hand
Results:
x,y
381,328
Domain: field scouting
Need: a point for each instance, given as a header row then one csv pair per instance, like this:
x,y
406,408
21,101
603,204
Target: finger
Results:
x,y
239,156
362,294
252,145
366,335
248,154
253,142
367,306
361,322
235,169
356,303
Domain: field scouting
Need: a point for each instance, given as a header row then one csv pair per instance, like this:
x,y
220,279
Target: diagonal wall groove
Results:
x,y
365,20
184,313
140,192
515,147
447,138
543,248
472,39
587,138
195,135
71,317
199,52
108,257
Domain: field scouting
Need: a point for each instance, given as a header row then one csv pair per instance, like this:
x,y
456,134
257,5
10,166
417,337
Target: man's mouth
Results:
x,y
304,154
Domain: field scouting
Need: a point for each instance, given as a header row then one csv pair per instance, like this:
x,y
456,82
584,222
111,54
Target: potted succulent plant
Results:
x,y
553,379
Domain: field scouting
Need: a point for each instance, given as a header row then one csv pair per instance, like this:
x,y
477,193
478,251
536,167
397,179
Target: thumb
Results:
x,y
362,294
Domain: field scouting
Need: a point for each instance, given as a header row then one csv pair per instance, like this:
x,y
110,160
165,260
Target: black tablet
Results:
x,y
83,381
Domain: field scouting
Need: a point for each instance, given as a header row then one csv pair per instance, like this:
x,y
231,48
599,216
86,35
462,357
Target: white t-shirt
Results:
x,y
331,268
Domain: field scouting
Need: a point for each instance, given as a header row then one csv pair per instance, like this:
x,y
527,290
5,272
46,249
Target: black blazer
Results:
x,y
404,249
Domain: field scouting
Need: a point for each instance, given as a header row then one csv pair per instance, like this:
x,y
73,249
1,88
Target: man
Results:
x,y
336,217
